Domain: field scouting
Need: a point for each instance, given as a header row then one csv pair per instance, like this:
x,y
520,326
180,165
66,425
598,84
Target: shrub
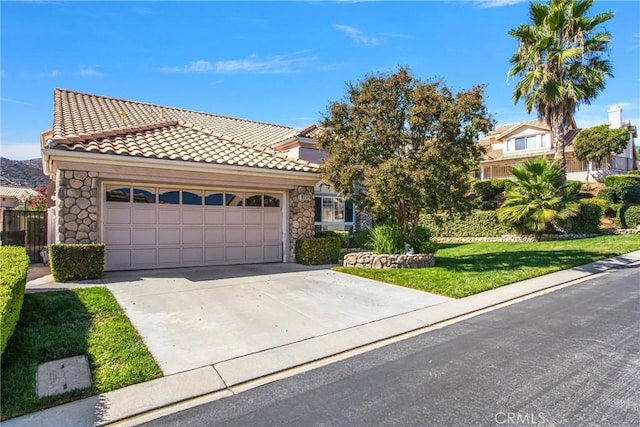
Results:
x,y
630,194
609,194
343,236
573,188
386,239
76,262
619,181
14,264
362,238
612,210
490,205
421,242
487,190
634,172
604,204
314,250
476,224
632,216
587,221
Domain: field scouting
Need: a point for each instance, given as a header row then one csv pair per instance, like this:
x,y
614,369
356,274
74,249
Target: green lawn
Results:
x,y
55,325
469,268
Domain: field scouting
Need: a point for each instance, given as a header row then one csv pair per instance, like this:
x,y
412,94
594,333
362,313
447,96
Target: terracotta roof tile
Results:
x,y
17,192
90,123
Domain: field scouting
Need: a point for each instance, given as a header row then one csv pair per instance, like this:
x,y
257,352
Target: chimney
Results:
x,y
615,117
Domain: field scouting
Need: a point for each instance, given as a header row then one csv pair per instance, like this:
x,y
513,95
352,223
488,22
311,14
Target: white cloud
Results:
x,y
14,101
55,73
84,72
20,150
253,64
497,3
357,36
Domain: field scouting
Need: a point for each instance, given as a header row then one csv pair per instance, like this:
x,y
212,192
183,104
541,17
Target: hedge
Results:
x,y
630,194
573,188
620,181
487,190
476,224
314,250
14,265
76,262
587,221
632,216
633,172
609,194
343,236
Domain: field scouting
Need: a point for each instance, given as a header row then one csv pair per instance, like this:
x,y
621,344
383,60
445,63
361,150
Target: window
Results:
x,y
232,199
271,201
191,197
213,199
530,142
117,193
334,213
144,195
545,140
526,143
253,200
169,196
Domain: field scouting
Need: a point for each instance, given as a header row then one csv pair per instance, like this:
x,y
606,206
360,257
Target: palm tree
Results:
x,y
537,201
559,63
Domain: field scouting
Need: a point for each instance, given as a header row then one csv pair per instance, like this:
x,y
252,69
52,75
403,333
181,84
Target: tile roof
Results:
x,y
91,123
17,192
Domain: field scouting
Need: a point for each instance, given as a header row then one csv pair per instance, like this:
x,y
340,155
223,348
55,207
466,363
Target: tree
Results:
x,y
596,143
560,65
537,201
36,202
399,146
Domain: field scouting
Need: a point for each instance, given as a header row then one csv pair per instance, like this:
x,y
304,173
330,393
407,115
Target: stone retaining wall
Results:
x,y
517,238
371,260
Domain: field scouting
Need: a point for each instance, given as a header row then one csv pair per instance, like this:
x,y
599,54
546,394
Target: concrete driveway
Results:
x,y
190,318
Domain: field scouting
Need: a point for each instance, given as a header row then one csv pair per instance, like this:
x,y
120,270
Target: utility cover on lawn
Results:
x,y
61,376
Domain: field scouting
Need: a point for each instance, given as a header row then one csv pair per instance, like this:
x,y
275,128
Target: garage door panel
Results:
x,y
234,254
191,236
214,216
143,256
253,235
253,217
234,216
144,236
234,235
192,255
272,235
253,253
118,257
272,216
144,215
214,255
192,216
214,235
117,236
118,214
168,215
273,252
169,236
169,256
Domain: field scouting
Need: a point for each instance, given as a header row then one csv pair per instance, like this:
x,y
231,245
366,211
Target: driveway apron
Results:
x,y
191,318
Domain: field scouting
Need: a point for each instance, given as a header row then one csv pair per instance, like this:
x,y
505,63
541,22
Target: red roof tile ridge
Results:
x,y
57,90
114,132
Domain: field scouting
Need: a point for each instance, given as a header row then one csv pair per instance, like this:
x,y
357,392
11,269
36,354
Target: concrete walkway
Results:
x,y
229,376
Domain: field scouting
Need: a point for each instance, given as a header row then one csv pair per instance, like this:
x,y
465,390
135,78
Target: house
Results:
x,y
11,197
168,187
512,144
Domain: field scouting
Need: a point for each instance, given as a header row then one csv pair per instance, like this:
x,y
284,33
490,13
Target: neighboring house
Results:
x,y
512,144
167,187
11,197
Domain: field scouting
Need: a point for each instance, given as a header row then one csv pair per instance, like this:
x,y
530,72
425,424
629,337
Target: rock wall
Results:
x,y
516,238
371,260
364,220
77,209
301,221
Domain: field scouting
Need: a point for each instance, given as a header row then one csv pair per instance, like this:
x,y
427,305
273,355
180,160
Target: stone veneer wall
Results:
x,y
371,260
77,208
364,220
301,218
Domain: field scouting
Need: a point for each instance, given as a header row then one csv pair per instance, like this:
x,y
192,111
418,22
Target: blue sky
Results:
x,y
278,62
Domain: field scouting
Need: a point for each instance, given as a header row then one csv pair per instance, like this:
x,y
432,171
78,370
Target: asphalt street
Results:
x,y
567,358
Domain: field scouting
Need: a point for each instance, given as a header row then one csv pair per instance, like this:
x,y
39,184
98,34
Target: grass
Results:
x,y
466,269
55,325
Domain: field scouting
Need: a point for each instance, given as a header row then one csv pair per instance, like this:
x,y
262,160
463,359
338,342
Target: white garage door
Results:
x,y
156,227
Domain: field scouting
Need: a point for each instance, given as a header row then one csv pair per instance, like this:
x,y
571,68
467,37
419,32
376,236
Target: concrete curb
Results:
x,y
225,378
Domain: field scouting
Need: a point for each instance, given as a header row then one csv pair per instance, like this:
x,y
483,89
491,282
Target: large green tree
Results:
x,y
559,62
596,143
399,146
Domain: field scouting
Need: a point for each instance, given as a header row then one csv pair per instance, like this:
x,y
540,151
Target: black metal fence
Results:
x,y
25,228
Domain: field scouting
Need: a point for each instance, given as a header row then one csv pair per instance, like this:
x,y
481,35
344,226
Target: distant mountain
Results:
x,y
22,173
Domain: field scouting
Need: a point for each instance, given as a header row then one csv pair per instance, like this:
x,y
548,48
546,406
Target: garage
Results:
x,y
146,226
